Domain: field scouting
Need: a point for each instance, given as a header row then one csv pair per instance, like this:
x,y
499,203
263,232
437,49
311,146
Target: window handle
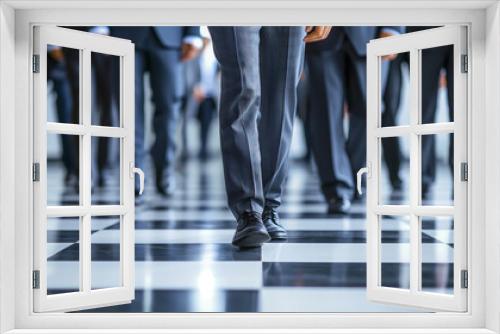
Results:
x,y
135,170
359,175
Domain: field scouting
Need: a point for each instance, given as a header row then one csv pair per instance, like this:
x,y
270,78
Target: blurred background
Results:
x,y
184,259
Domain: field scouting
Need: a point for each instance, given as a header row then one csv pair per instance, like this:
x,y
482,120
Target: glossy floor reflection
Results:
x,y
185,262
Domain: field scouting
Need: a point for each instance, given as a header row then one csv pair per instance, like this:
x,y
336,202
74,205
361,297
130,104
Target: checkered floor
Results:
x,y
185,261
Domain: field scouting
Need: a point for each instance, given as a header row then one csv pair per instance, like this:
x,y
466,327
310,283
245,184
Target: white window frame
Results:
x,y
17,18
86,44
414,43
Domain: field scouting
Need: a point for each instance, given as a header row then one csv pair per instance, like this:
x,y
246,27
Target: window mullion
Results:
x,y
415,65
86,178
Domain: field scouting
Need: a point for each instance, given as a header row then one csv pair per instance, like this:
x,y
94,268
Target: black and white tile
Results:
x,y
185,261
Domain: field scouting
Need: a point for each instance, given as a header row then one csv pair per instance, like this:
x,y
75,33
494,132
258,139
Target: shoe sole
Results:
x,y
278,236
337,212
252,240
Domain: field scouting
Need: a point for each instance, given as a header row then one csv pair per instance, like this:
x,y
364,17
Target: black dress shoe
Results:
x,y
250,231
203,155
101,181
163,188
71,180
426,192
139,200
339,206
397,184
357,198
271,221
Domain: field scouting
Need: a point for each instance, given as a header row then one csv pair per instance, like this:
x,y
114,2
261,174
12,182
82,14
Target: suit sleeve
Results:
x,y
395,30
191,31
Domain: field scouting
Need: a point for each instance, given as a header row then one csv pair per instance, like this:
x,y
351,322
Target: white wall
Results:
x,y
493,150
6,169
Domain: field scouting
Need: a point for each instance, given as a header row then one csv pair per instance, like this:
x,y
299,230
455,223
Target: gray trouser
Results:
x,y
335,77
165,78
260,69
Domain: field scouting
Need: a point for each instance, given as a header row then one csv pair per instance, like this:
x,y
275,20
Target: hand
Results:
x,y
199,94
316,33
387,34
57,54
188,52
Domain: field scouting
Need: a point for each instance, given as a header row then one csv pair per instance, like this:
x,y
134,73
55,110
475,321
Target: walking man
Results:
x,y
337,74
161,51
260,70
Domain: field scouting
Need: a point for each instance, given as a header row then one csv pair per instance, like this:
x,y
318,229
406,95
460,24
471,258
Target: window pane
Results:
x,y
395,251
63,255
437,85
62,169
437,254
394,171
106,175
437,169
63,84
395,96
105,89
105,250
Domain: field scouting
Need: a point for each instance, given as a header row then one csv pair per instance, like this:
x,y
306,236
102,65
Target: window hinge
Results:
x,y
465,279
465,63
36,172
36,63
464,171
36,279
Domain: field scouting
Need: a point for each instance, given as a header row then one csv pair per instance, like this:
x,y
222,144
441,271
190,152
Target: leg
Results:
x,y
237,50
102,65
391,97
281,58
432,63
303,101
166,76
72,59
326,79
184,122
57,73
205,116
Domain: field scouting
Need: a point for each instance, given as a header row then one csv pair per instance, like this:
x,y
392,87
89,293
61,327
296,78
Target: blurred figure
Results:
x,y
260,70
57,74
206,91
392,98
161,52
303,111
72,60
337,70
434,61
102,98
102,91
189,105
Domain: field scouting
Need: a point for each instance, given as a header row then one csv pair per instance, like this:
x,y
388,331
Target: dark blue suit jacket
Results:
x,y
358,36
169,37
